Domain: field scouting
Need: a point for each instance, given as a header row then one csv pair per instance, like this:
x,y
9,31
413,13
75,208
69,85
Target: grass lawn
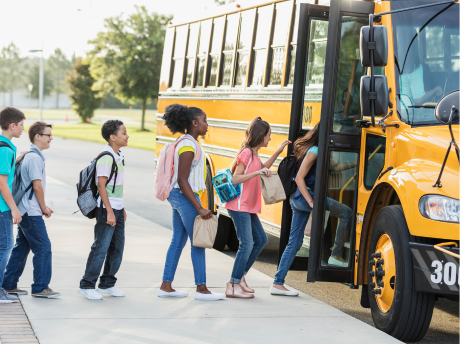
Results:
x,y
100,115
92,132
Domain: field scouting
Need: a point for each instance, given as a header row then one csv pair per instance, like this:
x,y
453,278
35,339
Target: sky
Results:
x,y
69,24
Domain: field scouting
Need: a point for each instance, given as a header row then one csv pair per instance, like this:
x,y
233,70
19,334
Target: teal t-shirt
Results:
x,y
6,156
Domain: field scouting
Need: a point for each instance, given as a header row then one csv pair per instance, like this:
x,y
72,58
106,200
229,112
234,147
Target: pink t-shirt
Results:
x,y
250,199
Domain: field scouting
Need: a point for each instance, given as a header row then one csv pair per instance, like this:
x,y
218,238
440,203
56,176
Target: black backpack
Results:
x,y
87,189
287,171
4,144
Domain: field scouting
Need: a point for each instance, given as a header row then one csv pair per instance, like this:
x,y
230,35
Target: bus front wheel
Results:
x,y
396,307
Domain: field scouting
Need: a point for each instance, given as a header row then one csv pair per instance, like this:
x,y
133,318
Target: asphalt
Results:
x,y
67,157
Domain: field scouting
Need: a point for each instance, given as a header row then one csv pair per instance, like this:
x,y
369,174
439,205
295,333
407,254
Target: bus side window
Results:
x,y
374,159
205,37
231,34
264,21
283,12
244,46
293,46
191,54
215,50
165,76
179,56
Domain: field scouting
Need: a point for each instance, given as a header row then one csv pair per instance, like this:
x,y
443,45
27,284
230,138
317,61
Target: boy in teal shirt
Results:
x,y
12,124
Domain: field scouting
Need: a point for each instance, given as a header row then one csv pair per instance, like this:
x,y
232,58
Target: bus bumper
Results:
x,y
435,271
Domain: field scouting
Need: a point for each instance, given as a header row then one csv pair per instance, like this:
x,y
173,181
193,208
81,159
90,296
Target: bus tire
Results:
x,y
407,315
223,228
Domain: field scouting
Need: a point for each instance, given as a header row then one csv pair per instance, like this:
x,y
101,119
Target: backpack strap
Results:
x,y
198,152
113,171
4,144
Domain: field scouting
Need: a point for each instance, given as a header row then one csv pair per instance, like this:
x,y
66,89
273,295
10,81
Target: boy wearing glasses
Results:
x,y
32,234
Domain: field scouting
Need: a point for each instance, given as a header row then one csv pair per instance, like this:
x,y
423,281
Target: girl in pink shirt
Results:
x,y
244,209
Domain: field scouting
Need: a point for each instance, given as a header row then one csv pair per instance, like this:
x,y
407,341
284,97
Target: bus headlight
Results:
x,y
440,208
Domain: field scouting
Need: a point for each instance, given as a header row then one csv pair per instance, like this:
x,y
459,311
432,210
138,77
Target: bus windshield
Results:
x,y
426,45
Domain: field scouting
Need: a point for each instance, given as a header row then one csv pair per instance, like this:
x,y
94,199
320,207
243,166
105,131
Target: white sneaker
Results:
x,y
176,293
337,261
90,294
209,297
111,291
275,291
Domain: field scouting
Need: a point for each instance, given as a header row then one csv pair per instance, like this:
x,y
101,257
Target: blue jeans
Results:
x,y
183,218
6,240
252,238
109,242
300,213
32,235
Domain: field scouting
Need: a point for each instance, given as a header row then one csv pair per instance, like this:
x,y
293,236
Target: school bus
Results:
x,y
383,78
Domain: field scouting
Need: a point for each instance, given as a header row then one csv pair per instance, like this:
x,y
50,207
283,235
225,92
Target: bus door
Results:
x,y
332,248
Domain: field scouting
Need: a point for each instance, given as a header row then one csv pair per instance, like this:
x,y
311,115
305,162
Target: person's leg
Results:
x,y
114,253
344,213
18,258
242,222
6,241
102,237
300,213
260,240
188,213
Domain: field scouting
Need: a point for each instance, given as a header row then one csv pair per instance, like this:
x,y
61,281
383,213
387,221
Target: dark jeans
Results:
x,y
6,240
32,235
109,242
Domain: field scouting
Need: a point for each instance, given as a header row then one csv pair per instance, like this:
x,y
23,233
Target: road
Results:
x,y
67,157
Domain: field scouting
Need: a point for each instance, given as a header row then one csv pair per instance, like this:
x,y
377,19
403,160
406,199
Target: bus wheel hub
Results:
x,y
383,273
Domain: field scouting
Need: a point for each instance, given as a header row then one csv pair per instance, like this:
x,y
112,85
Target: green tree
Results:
x,y
59,67
84,99
11,71
33,77
126,58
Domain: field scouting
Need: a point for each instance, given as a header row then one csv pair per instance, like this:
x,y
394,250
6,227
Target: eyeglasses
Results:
x,y
49,135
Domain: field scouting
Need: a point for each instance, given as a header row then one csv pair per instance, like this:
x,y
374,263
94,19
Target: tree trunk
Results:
x,y
144,105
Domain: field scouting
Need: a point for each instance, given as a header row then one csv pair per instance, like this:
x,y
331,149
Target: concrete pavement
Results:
x,y
142,317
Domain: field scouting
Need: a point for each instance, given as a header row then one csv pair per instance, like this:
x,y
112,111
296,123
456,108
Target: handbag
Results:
x,y
204,232
272,188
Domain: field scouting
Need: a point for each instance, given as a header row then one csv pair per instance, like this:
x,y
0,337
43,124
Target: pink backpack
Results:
x,y
165,167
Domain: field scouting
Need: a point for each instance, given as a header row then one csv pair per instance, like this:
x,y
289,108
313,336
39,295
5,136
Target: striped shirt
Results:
x,y
103,168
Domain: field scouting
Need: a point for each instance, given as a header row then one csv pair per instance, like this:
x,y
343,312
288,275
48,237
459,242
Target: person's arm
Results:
x,y
20,156
437,91
307,163
275,155
342,166
101,181
40,195
8,197
185,163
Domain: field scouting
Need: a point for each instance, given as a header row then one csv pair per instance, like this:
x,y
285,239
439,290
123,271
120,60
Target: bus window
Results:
x,y
324,2
374,159
216,50
231,33
347,106
264,21
339,217
283,12
244,46
167,56
191,54
205,36
315,73
179,55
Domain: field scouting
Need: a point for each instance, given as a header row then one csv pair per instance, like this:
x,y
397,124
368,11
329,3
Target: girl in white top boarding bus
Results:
x,y
188,184
244,209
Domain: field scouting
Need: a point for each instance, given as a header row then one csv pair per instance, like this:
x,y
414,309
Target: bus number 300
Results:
x,y
450,273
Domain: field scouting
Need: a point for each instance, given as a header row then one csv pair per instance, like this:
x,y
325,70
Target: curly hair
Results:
x,y
110,127
178,118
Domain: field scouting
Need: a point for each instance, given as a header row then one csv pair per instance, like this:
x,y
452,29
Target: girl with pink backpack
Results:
x,y
181,175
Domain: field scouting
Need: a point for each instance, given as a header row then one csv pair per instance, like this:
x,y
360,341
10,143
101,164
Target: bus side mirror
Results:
x,y
380,46
380,95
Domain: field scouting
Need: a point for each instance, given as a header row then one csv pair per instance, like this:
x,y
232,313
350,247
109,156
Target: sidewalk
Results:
x,y
142,317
